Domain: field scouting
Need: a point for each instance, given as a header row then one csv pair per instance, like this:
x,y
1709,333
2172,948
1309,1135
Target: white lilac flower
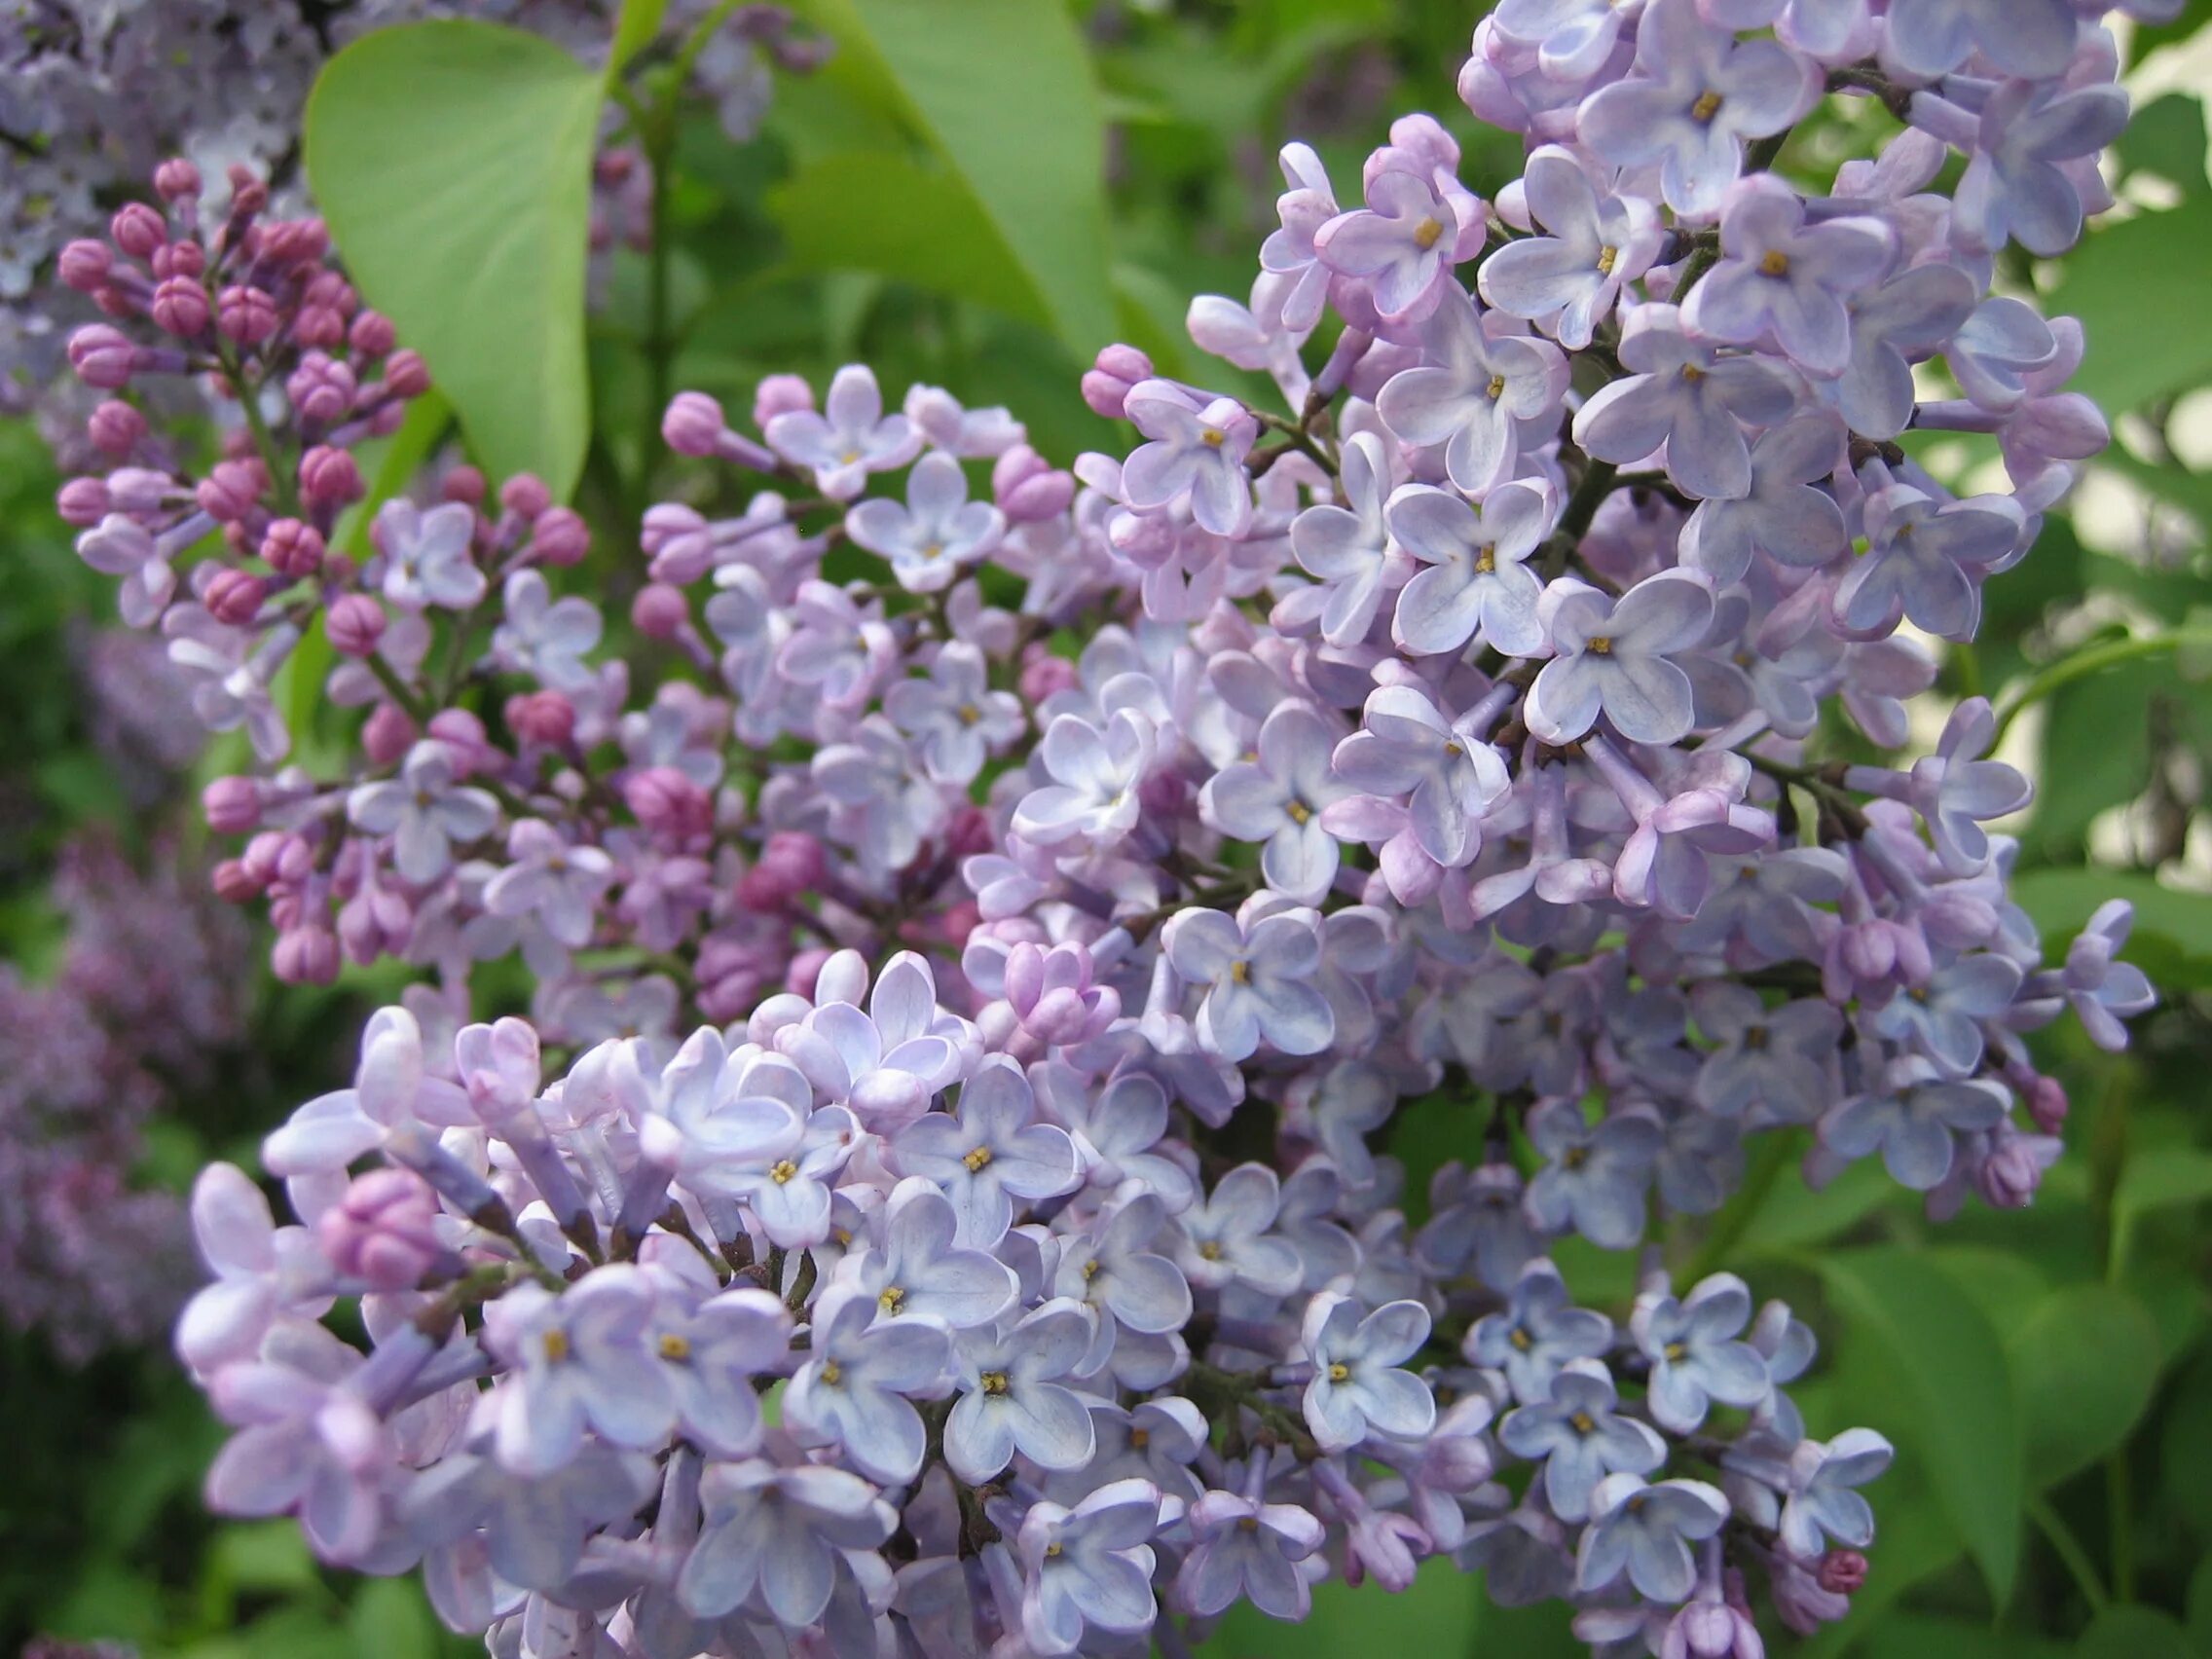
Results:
x,y
1258,983
558,883
936,535
543,637
776,1534
851,438
1449,773
424,811
955,715
428,555
1483,390
1476,583
1011,1396
1581,1437
855,1390
919,1272
987,1150
1089,1567
1197,452
1359,1388
1277,799
1614,657
1096,774
579,1359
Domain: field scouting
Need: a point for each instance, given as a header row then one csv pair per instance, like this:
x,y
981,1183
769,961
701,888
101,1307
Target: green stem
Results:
x,y
2094,660
1729,1228
1575,523
2067,1548
280,476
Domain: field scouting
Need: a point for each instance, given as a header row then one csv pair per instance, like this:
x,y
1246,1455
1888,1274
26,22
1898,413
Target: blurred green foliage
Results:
x,y
976,194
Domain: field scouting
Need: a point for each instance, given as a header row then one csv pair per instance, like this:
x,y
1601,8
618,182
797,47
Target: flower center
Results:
x,y
1574,1157
1053,1551
1521,1340
994,1381
1606,256
1486,560
1755,1039
1706,109
1427,232
891,1299
1496,387
556,1345
1210,1250
1677,1352
1249,1522
833,1374
782,1171
1139,1439
933,549
674,1348
1600,644
1298,811
1774,263
1090,1269
1693,373
1213,437
978,1158
1340,1372
969,714
1582,1423
1241,971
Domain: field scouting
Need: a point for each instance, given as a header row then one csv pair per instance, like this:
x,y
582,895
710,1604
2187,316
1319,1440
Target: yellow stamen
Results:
x,y
555,1344
674,1348
978,1158
1210,1250
1340,1372
1496,387
1298,810
1600,645
1427,232
1240,971
1213,437
1774,263
1706,109
994,1381
831,1373
1486,561
1581,1423
891,1299
1606,258
782,1171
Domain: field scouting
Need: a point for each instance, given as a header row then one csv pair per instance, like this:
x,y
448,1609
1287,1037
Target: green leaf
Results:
x,y
2159,1180
2134,1632
634,31
1002,92
1916,1636
1436,1615
2096,751
391,1620
2086,1361
1963,1424
2137,287
453,161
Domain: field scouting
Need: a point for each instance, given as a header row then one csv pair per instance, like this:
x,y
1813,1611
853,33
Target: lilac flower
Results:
x,y
1902,321
1405,744
1402,242
1117,1132
531,1532
2016,186
1479,393
2102,990
1913,1121
264,1273
1783,515
232,673
1944,1018
1694,1352
579,1359
920,1273
1922,558
1250,1549
1228,1238
118,545
1096,773
1115,1274
955,715
1197,450
1614,658
1956,790
889,809
849,439
307,1443
2032,38
857,1390
1089,1567
1820,1504
428,555
938,533
1572,278
543,637
1782,277
777,1535
1697,96
1537,1334
1595,1179
557,883
1580,1437
1477,580
424,811
1346,548
1776,1059
710,1356
1278,799
1476,1213
1685,395
1358,1389
1258,981
1012,1399
989,1150
1647,1531
1288,251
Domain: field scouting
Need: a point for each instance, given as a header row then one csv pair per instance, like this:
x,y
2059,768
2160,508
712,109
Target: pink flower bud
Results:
x,y
322,388
677,539
292,548
232,805
235,884
115,428
780,394
1044,674
805,968
659,611
355,624
545,718
693,423
295,242
248,194
463,484
372,334
235,597
2048,1104
1107,383
1842,1572
331,477
791,864
181,259
1028,488
383,1232
176,179
138,230
180,307
230,491
245,314
306,956
139,489
968,832
84,265
525,494
81,501
560,538
466,740
667,802
387,734
102,356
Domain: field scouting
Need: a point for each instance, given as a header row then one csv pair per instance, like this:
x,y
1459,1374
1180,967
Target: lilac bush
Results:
x,y
929,1205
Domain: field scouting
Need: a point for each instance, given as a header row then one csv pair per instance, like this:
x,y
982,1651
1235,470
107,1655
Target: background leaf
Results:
x,y
453,161
2086,1361
2131,284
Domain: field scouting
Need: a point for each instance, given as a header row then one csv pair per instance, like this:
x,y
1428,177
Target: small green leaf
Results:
x,y
1964,1421
1916,1636
1002,92
634,31
2130,284
391,1620
2167,137
2134,1632
1436,1615
2159,1180
2086,1361
453,161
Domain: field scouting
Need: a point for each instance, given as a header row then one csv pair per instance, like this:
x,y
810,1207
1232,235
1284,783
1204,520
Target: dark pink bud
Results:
x,y
329,288
320,326
230,491
659,611
372,334
780,394
1842,1572
805,968
84,265
791,864
292,548
115,428
181,259
1106,383
355,624
176,179
968,832
676,538
545,718
232,805
693,423
235,597
383,1232
1028,488
264,855
667,802
235,884
81,501
387,734
406,375
102,356
322,388
306,956
1045,675
525,494
465,739
560,537
138,230
245,314
463,484
330,478
2048,1104
250,195
295,242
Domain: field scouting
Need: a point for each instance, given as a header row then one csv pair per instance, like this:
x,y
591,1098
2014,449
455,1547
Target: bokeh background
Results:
x,y
2047,1376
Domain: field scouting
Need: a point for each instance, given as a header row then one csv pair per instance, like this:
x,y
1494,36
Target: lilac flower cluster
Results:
x,y
962,1212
